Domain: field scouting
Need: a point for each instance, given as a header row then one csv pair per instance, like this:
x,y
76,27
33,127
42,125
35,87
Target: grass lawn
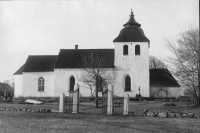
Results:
x,y
24,122
91,120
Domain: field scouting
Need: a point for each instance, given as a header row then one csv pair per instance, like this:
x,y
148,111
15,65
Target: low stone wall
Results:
x,y
165,114
144,113
30,110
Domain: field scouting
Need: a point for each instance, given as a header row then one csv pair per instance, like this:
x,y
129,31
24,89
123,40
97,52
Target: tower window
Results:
x,y
41,84
72,83
125,52
127,83
137,50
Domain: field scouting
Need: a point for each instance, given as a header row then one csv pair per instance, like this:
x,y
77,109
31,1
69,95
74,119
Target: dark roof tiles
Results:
x,y
40,63
71,58
163,78
131,34
20,70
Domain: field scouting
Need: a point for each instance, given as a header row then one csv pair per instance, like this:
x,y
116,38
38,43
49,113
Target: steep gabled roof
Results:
x,y
162,77
71,58
20,70
38,63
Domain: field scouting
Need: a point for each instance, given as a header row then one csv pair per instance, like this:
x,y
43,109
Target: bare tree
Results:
x,y
185,60
95,71
7,81
90,87
156,63
11,84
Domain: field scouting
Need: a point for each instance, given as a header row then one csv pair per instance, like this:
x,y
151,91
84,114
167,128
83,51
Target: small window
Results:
x,y
41,84
127,83
72,83
137,50
125,52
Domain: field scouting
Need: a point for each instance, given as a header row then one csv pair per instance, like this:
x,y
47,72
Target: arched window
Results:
x,y
125,50
72,83
127,83
137,50
41,84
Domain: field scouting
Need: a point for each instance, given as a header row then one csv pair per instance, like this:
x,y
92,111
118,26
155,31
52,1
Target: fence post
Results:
x,y
62,103
126,104
5,94
75,107
78,92
110,100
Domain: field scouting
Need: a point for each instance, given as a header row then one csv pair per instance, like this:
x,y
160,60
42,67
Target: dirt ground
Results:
x,y
26,122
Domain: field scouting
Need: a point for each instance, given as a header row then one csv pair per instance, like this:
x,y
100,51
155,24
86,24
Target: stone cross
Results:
x,y
139,90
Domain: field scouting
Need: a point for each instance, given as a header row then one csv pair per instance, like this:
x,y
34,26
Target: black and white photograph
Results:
x,y
99,66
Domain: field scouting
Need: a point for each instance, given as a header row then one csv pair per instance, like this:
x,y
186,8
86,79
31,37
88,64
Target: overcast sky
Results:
x,y
45,27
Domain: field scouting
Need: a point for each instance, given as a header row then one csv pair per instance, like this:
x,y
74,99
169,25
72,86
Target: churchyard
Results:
x,y
17,116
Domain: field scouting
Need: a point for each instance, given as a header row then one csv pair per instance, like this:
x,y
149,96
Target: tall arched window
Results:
x,y
41,84
127,83
72,83
137,50
125,50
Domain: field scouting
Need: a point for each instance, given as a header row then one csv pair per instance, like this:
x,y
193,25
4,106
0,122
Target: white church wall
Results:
x,y
18,85
174,91
30,84
62,82
136,66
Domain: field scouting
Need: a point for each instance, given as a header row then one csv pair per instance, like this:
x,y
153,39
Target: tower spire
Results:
x,y
132,21
131,12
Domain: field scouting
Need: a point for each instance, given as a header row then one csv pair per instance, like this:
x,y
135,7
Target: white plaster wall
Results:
x,y
136,66
62,82
173,91
18,85
30,84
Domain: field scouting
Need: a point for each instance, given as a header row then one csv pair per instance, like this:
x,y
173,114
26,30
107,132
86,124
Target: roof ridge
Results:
x,y
88,49
158,68
43,55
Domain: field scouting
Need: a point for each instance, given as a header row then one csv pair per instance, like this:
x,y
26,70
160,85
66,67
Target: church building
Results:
x,y
51,75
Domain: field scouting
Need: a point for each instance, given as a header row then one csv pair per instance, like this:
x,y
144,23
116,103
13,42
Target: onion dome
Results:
x,y
131,32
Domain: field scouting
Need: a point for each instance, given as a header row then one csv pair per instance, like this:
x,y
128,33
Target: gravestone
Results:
x,y
110,100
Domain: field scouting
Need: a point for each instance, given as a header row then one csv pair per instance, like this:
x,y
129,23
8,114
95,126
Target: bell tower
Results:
x,y
132,60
